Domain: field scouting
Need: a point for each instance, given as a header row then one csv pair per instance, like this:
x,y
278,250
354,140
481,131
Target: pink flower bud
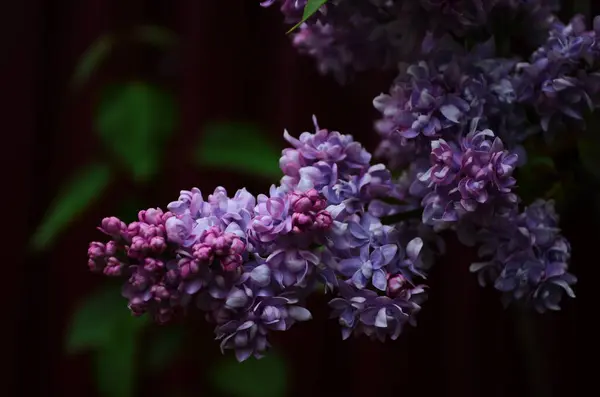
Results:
x,y
158,245
113,226
152,216
114,267
396,284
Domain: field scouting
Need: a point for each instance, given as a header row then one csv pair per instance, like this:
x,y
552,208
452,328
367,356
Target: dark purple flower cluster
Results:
x,y
526,258
473,177
249,263
562,78
355,35
451,126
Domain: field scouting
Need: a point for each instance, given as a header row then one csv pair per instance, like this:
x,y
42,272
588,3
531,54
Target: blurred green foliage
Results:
x,y
240,147
163,348
87,184
93,58
103,326
310,8
266,377
135,121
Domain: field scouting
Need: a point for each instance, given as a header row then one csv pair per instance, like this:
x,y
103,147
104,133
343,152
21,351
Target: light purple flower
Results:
x,y
369,267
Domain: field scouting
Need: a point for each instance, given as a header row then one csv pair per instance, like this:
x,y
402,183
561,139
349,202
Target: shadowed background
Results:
x,y
231,62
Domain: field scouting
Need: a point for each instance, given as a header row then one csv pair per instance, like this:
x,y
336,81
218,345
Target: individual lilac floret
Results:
x,y
528,258
476,175
561,79
361,311
423,101
369,267
247,336
321,156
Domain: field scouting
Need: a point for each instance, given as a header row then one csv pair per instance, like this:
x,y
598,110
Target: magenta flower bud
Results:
x,y
96,266
160,292
396,284
221,245
113,226
301,222
138,247
203,252
323,220
152,264
149,231
231,262
111,248
113,267
96,250
158,245
152,216
188,267
300,203
133,229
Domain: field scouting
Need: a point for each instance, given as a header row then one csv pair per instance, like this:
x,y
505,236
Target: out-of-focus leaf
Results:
x,y
101,318
589,152
116,372
310,8
135,120
104,325
541,162
239,147
266,377
77,195
163,347
91,59
155,35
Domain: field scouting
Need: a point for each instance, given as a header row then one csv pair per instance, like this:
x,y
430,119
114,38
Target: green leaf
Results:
x,y
541,162
589,152
87,184
135,120
116,372
266,377
239,147
104,325
310,8
155,35
164,347
91,59
99,319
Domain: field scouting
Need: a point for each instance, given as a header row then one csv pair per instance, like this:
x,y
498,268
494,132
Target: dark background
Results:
x,y
234,62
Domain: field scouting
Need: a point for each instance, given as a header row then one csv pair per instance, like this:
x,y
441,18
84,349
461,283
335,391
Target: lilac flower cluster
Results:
x,y
452,128
356,35
250,262
562,78
526,257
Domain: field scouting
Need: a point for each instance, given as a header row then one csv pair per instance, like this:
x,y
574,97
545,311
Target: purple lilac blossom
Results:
x,y
562,78
475,176
526,257
345,36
